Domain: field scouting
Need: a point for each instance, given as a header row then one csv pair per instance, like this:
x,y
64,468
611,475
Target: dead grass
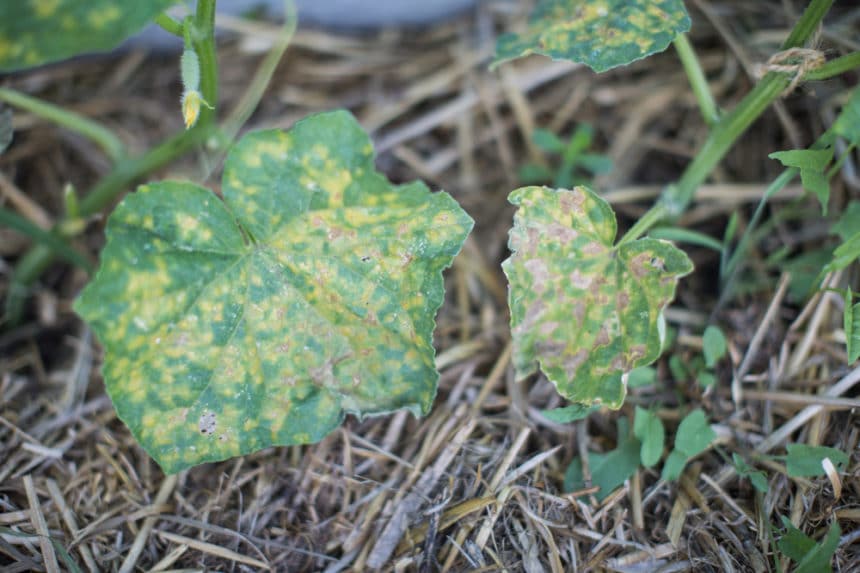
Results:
x,y
477,485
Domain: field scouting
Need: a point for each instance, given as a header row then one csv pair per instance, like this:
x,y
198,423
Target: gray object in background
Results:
x,y
339,14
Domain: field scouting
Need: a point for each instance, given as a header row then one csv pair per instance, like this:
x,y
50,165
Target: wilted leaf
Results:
x,y
310,291
34,32
584,311
601,34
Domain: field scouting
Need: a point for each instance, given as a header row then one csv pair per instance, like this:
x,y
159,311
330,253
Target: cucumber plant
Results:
x,y
261,318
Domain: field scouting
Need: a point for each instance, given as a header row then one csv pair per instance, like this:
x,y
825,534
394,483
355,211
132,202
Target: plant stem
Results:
x,y
128,170
124,173
203,37
698,82
835,67
676,198
94,131
168,24
49,240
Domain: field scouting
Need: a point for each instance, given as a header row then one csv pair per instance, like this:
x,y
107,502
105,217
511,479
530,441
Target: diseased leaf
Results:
x,y
649,429
610,470
601,34
805,461
584,311
309,291
34,32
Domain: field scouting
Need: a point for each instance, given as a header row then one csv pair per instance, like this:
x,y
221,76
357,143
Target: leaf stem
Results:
x,y
835,67
698,82
92,130
676,198
203,37
168,24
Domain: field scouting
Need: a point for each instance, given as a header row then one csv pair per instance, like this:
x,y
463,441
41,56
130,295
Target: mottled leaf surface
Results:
x,y
309,291
34,32
584,311
601,34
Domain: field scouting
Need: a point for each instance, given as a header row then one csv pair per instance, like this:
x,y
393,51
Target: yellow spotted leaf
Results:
x,y
583,310
601,34
34,32
308,292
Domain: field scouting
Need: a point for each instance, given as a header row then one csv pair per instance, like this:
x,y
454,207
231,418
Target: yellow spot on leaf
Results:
x,y
45,8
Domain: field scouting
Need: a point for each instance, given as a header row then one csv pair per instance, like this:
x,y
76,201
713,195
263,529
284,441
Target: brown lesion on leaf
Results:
x,y
580,280
539,272
283,348
572,363
593,248
622,300
640,265
562,233
571,202
602,338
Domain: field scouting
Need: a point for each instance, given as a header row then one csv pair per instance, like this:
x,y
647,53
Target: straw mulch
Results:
x,y
477,485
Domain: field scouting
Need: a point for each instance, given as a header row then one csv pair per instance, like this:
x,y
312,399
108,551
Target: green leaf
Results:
x,y
847,125
848,223
757,478
805,461
851,325
843,255
812,164
547,140
814,159
569,413
818,559
6,131
674,465
35,32
642,376
534,173
610,470
681,235
713,345
694,435
601,34
649,429
309,291
811,557
584,311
